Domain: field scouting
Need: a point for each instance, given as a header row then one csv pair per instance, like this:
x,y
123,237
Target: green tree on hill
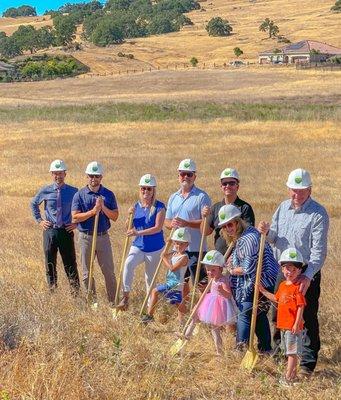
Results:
x,y
65,28
269,26
8,46
22,11
219,27
107,32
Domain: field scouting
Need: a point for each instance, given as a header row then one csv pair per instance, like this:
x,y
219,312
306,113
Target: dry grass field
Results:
x,y
263,121
53,347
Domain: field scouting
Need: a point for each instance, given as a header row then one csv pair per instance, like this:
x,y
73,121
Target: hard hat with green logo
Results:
x,y
182,235
214,258
57,165
227,213
291,255
230,173
187,165
94,168
148,180
299,179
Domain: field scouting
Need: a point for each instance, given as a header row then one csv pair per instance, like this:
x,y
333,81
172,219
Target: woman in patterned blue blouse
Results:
x,y
242,267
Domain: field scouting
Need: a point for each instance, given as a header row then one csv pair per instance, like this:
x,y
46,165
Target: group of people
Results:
x,y
296,239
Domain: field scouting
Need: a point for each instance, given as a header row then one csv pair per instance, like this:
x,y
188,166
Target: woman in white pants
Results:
x,y
149,215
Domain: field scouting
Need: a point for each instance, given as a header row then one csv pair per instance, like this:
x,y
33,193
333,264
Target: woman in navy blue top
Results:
x,y
149,216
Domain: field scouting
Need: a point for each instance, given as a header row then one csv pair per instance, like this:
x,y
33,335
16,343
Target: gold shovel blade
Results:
x,y
250,360
115,313
177,346
196,330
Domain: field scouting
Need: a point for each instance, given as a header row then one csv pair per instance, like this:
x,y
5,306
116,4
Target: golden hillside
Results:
x,y
297,20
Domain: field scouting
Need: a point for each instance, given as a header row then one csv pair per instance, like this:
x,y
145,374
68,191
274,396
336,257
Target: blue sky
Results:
x,y
40,5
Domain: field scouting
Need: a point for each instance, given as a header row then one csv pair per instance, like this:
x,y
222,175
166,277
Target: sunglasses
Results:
x,y
94,176
229,183
183,174
148,188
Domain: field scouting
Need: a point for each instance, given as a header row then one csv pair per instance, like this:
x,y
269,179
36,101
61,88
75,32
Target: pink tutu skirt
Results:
x,y
217,310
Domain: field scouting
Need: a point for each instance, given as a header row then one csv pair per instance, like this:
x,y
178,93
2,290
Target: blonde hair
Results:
x,y
153,202
241,226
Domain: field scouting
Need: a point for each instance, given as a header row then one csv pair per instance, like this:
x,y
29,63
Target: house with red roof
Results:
x,y
305,51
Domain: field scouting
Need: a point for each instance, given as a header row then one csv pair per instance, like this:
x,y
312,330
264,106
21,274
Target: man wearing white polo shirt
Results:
x,y
184,210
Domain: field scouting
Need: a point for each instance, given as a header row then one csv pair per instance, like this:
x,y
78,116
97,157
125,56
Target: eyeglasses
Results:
x,y
229,183
148,188
94,176
186,173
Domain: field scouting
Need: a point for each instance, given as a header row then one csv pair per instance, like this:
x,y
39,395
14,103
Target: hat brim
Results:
x,y
228,220
297,187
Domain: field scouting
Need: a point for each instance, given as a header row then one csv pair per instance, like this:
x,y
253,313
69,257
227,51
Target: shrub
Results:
x,y
337,6
238,52
194,61
218,27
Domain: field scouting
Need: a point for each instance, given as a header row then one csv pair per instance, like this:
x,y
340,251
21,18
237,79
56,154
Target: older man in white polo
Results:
x,y
184,210
302,223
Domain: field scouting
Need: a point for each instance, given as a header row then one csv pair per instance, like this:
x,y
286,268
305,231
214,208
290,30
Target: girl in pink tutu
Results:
x,y
217,308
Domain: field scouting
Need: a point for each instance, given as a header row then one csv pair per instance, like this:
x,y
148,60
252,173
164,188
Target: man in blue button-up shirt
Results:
x,y
88,201
57,226
302,223
184,210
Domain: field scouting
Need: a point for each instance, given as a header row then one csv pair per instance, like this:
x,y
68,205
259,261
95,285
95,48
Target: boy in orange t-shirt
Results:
x,y
290,310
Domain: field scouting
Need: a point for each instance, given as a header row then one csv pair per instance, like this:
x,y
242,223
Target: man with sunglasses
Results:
x,y
57,226
229,181
184,210
88,201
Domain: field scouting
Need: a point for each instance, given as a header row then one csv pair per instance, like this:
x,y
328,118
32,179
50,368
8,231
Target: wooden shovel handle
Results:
x,y
92,257
124,256
256,292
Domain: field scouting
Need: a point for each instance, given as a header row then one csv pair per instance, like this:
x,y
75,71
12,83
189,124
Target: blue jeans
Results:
x,y
262,326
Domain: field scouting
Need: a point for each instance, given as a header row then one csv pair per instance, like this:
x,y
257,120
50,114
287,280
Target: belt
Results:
x,y
90,233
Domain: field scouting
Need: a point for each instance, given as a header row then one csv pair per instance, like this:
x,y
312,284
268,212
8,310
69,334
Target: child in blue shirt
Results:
x,y
177,262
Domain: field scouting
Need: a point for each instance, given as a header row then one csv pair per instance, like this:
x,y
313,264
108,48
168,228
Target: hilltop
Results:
x,y
297,20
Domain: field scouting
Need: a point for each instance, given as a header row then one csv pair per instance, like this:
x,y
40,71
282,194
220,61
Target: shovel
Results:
x,y
250,359
165,250
92,259
181,343
115,311
197,272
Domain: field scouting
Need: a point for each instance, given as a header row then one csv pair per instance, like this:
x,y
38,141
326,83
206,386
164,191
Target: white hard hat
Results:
x,y
187,165
291,255
214,257
227,213
181,235
147,180
230,173
94,168
57,165
299,179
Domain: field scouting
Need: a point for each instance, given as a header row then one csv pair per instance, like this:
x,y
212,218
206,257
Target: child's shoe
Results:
x,y
147,318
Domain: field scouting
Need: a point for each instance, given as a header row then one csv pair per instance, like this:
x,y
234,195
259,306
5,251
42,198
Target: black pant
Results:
x,y
192,268
311,332
55,239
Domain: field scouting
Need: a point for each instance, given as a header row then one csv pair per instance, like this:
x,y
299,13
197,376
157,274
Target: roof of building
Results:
x,y
6,67
304,47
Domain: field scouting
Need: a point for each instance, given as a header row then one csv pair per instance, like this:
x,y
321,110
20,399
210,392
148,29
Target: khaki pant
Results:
x,y
105,261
